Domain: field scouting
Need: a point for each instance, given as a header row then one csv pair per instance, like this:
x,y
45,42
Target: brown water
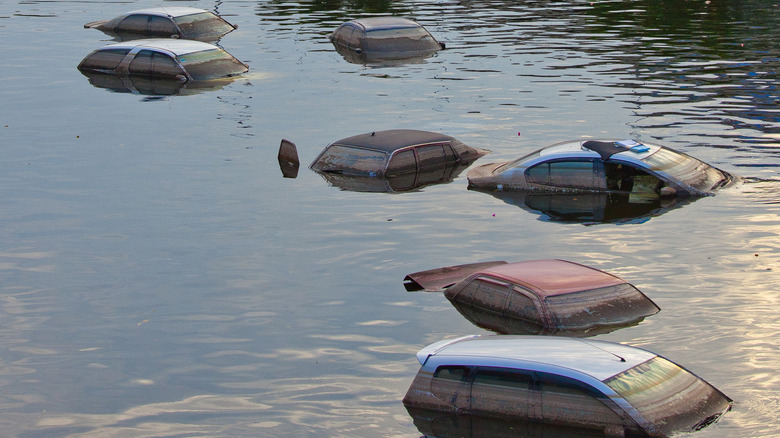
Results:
x,y
158,276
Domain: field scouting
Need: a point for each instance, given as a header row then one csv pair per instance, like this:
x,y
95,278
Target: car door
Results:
x,y
569,402
451,384
503,393
151,63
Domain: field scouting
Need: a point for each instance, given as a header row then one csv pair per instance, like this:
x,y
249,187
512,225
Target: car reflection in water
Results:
x,y
384,41
394,161
151,86
592,208
538,297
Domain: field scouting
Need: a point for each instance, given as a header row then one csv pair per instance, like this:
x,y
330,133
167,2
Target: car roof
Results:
x,y
580,148
172,11
598,359
553,277
392,140
176,46
385,22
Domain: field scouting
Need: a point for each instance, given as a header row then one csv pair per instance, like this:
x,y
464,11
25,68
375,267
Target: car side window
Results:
x,y
574,174
354,37
134,23
108,59
502,391
450,382
402,162
431,155
162,26
492,294
150,63
521,305
567,401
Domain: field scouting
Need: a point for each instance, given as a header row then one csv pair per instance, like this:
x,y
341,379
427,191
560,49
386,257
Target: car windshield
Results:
x,y
348,159
399,39
210,64
689,170
669,397
512,164
201,24
622,303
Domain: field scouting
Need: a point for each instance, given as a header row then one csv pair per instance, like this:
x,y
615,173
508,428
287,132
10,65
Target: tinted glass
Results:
x,y
568,402
401,162
668,396
399,40
501,392
108,59
431,156
162,26
202,25
449,384
685,168
521,306
134,24
578,174
210,64
350,160
607,305
142,63
491,295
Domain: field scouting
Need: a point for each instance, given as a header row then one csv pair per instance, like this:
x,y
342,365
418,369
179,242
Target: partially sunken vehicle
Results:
x,y
583,385
166,59
377,39
624,166
165,22
538,296
396,153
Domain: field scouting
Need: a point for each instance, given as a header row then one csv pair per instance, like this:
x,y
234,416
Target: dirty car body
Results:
x,y
394,153
601,386
385,38
165,22
538,296
165,59
623,166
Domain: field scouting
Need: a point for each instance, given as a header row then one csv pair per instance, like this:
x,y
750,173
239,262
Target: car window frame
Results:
x,y
598,178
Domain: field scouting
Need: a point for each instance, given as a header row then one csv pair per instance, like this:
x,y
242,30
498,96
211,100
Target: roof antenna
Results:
x,y
596,346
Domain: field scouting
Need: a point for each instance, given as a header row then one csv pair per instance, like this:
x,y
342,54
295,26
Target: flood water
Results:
x,y
159,277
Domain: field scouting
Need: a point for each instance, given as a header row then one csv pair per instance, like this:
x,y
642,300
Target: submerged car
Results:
x,y
587,385
624,166
377,39
394,153
538,296
167,59
165,22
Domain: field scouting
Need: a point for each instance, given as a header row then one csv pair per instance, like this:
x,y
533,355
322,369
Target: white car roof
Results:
x,y
173,11
598,359
574,148
176,46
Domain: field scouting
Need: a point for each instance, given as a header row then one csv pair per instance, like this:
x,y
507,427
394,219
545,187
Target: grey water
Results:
x,y
159,277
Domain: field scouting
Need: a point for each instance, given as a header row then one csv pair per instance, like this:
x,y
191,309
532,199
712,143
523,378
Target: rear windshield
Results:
x,y
622,303
210,64
689,170
107,59
515,163
668,396
202,24
399,40
351,160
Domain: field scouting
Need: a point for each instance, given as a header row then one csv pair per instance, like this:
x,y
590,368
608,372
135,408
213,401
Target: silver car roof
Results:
x,y
598,359
175,46
167,11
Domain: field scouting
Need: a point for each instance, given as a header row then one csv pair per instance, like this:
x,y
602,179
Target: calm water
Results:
x,y
160,278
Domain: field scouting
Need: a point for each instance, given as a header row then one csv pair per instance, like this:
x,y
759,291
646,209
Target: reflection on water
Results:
x,y
154,86
158,277
393,184
592,208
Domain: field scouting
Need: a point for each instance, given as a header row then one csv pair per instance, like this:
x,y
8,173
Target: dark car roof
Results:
x,y
394,139
553,277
